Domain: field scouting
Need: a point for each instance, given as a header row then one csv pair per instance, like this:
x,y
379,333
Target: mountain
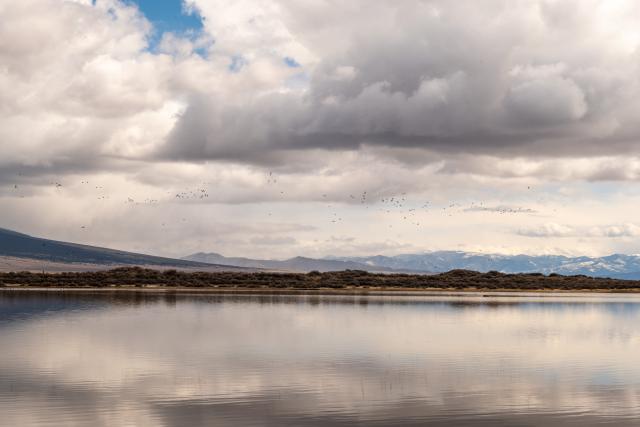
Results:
x,y
23,252
294,264
614,266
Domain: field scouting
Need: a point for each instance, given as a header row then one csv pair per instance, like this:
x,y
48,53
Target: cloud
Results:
x,y
604,231
526,80
549,230
545,102
615,231
273,240
444,101
77,87
521,81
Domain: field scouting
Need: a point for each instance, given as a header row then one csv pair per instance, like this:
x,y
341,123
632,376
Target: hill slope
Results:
x,y
17,246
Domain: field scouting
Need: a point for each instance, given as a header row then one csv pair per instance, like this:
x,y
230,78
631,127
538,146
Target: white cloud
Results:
x,y
526,78
600,231
449,102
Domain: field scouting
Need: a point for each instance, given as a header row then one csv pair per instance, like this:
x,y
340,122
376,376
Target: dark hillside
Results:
x,y
20,245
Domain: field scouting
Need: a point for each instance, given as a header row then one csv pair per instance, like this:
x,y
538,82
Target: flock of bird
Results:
x,y
200,193
399,205
406,210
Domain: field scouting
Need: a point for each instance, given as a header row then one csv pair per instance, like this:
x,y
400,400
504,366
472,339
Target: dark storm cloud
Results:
x,y
35,174
498,78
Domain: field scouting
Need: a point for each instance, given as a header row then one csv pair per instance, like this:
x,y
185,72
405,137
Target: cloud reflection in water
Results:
x,y
144,359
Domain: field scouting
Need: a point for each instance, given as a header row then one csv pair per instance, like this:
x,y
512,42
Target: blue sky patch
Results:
x,y
291,62
237,63
168,16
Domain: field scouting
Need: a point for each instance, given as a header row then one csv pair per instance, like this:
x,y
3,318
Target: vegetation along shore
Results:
x,y
136,277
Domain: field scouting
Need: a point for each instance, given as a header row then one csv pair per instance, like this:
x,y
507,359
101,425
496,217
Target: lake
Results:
x,y
153,359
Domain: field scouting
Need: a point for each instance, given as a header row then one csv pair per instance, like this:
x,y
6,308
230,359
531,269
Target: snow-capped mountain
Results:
x,y
617,265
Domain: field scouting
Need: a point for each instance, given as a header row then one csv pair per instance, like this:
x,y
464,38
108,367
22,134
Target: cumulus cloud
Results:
x,y
500,79
77,87
497,78
436,99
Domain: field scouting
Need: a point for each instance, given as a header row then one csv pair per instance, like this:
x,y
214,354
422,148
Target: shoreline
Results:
x,y
136,279
363,291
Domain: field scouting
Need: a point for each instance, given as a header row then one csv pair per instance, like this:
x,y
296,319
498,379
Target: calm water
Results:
x,y
134,359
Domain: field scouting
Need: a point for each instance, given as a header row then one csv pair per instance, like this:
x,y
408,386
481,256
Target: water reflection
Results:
x,y
120,358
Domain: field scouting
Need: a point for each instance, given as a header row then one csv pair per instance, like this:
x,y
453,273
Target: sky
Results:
x,y
276,128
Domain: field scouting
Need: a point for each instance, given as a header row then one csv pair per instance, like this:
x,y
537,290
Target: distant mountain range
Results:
x,y
294,264
23,252
614,266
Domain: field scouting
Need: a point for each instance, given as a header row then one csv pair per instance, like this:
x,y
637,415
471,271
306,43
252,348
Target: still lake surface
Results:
x,y
144,359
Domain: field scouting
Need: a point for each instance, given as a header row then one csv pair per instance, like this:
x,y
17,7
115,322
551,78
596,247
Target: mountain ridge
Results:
x,y
614,266
19,250
298,263
23,247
